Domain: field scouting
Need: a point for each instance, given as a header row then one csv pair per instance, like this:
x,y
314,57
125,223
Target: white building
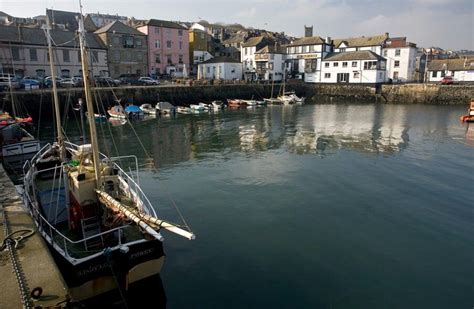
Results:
x,y
401,59
270,63
223,68
304,57
355,67
372,43
247,55
461,69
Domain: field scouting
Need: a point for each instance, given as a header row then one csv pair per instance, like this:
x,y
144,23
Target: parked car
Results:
x,y
7,80
48,81
71,82
30,83
145,80
130,79
447,80
107,82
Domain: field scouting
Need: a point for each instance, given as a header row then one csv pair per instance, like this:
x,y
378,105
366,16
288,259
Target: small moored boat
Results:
x,y
470,113
148,109
117,111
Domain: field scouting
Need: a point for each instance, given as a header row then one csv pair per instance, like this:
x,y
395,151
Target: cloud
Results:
x,y
248,13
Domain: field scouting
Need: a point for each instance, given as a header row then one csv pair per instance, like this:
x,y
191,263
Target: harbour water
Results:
x,y
313,206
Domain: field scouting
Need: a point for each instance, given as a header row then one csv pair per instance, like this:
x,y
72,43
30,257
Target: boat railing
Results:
x,y
61,242
40,153
130,185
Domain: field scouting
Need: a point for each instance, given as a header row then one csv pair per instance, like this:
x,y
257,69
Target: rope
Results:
x,y
107,252
11,245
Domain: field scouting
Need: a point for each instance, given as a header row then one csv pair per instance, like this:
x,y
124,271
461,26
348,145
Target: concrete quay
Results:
x,y
35,260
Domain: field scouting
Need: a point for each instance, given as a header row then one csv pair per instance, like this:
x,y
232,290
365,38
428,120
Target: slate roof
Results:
x,y
271,49
313,40
253,41
462,64
35,36
119,27
62,17
362,41
221,60
353,55
238,38
164,24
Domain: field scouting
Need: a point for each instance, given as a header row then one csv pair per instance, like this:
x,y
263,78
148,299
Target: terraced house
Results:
x,y
168,47
127,51
24,52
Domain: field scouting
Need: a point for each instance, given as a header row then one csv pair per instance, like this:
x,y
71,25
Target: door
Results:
x,y
342,77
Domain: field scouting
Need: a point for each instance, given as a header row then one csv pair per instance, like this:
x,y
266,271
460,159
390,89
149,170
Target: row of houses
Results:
x,y
121,45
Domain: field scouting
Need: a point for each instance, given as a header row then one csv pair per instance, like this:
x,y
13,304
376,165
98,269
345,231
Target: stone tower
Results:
x,y
308,31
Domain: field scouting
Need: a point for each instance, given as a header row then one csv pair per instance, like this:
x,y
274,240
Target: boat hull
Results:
x,y
102,274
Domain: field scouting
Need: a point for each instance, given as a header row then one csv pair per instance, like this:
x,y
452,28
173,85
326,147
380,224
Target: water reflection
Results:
x,y
309,129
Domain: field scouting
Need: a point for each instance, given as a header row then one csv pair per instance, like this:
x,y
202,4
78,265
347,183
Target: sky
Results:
x,y
447,24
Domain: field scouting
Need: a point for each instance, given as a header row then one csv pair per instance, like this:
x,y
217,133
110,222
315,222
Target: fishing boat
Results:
x,y
470,113
117,111
165,108
217,105
148,109
183,110
236,103
102,230
133,111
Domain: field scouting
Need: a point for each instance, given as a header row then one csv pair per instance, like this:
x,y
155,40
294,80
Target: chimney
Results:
x,y
386,35
308,31
328,40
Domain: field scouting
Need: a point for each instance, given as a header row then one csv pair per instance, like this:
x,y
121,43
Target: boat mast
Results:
x,y
90,107
59,137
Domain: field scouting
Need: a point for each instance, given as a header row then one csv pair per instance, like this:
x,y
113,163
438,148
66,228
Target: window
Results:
x,y
95,56
128,42
443,73
326,65
272,56
435,74
208,70
327,75
139,56
138,42
310,65
157,44
370,65
66,55
157,58
395,75
342,50
311,48
65,73
180,45
385,53
168,44
397,52
117,55
33,54
169,61
397,64
335,64
128,56
180,58
15,53
116,40
344,64
157,30
380,75
180,32
354,64
270,65
356,75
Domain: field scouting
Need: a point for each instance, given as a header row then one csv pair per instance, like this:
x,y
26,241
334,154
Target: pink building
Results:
x,y
168,47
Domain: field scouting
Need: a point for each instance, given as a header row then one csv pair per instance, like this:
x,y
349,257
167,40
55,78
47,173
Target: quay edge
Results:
x,y
37,264
39,101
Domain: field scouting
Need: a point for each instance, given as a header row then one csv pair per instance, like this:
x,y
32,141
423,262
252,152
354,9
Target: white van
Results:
x,y
7,80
